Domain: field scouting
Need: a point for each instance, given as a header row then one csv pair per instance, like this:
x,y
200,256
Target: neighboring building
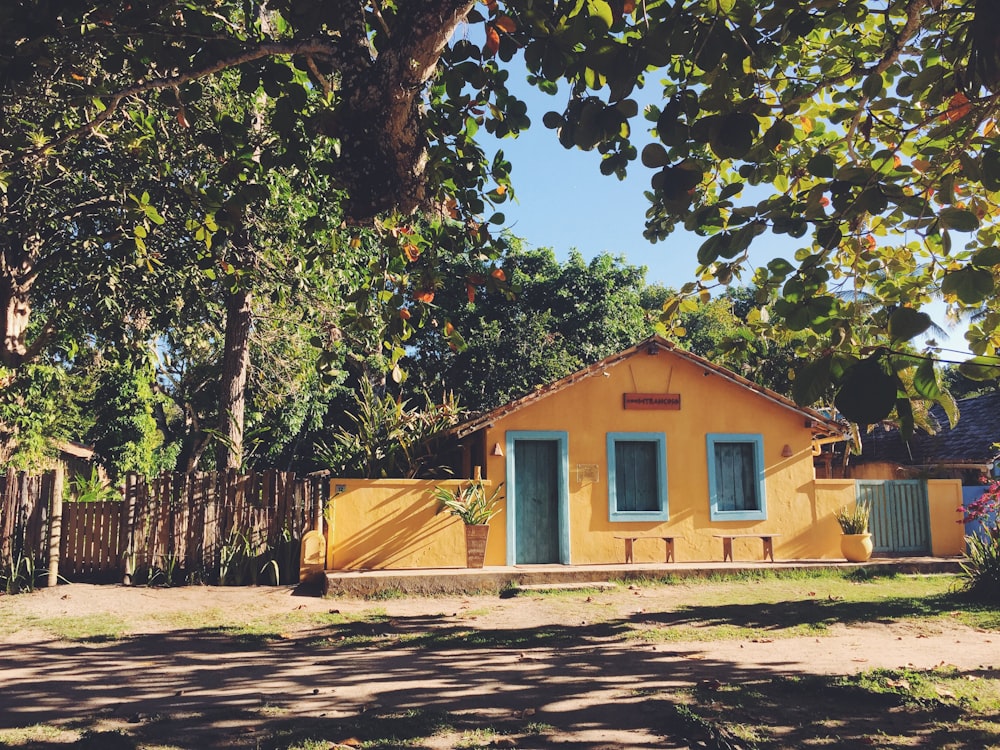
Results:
x,y
968,451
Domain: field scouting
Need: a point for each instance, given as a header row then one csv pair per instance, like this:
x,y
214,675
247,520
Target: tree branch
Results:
x,y
311,47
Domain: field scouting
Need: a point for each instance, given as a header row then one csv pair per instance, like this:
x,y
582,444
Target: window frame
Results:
x,y
624,516
757,441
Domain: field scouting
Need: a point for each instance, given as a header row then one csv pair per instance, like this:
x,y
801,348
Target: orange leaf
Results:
x,y
470,292
492,40
958,107
498,274
628,7
412,252
448,328
405,314
426,296
505,24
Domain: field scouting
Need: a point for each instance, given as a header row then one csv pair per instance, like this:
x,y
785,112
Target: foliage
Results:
x,y
864,130
18,572
92,488
388,438
125,434
549,319
40,405
981,569
470,502
854,519
726,330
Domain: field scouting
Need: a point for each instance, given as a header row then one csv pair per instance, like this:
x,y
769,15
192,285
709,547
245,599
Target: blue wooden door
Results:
x,y
536,501
900,521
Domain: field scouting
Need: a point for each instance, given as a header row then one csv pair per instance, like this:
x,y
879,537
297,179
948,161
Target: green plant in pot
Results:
x,y
856,543
475,506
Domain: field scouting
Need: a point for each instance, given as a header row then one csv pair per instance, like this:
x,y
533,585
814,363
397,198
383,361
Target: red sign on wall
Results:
x,y
648,401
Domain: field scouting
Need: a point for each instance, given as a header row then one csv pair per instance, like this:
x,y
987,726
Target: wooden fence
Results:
x,y
219,527
25,527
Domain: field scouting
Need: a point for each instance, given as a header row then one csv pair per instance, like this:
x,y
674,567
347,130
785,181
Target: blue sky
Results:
x,y
564,202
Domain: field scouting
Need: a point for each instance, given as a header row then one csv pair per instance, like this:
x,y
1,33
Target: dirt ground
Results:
x,y
169,682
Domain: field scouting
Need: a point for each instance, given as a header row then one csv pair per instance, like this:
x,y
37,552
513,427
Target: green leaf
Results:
x,y
821,165
811,382
868,393
905,323
828,236
712,248
925,381
904,413
721,7
552,120
971,285
601,9
654,155
873,85
981,368
959,219
988,256
734,135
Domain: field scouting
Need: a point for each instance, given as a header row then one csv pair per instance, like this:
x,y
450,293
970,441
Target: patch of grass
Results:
x,y
646,581
387,594
941,708
477,739
36,734
480,612
978,692
693,633
785,607
98,628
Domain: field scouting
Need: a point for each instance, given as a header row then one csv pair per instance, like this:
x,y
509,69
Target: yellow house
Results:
x,y
650,442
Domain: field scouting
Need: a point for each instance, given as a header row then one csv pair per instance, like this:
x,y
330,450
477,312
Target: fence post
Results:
x,y
55,526
126,530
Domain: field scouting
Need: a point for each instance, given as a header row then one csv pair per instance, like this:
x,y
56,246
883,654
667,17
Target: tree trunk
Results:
x,y
16,279
232,385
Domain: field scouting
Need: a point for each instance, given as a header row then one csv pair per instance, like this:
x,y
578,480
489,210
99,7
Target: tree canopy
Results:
x,y
865,129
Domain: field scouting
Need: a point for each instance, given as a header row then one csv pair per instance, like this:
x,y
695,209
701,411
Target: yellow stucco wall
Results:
x,y
591,408
394,523
944,496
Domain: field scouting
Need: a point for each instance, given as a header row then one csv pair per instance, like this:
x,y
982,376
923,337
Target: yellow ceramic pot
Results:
x,y
856,547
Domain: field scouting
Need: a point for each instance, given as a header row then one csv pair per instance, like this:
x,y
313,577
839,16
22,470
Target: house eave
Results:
x,y
821,425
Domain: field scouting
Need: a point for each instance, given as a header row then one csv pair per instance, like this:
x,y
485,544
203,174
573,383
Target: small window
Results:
x,y
637,476
736,477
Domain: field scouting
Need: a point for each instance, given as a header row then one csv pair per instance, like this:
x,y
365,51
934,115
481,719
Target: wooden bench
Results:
x,y
630,540
727,544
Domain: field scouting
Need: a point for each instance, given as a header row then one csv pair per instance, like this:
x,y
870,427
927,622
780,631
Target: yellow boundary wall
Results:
x,y
395,524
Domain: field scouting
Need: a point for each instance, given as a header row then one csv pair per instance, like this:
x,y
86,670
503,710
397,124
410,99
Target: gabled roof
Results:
x,y
820,424
971,441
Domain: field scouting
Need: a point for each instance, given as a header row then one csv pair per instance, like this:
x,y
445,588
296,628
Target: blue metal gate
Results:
x,y
900,521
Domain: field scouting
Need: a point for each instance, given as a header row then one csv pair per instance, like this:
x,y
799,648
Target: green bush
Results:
x,y
981,568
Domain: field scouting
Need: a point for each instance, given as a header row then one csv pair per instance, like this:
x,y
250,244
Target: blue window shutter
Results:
x,y
637,476
637,483
735,471
736,477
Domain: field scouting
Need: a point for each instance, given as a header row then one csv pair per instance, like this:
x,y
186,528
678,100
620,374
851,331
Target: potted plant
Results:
x,y
471,503
856,543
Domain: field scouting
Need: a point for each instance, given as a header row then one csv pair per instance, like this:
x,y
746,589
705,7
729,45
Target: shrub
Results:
x,y
981,569
470,502
854,519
